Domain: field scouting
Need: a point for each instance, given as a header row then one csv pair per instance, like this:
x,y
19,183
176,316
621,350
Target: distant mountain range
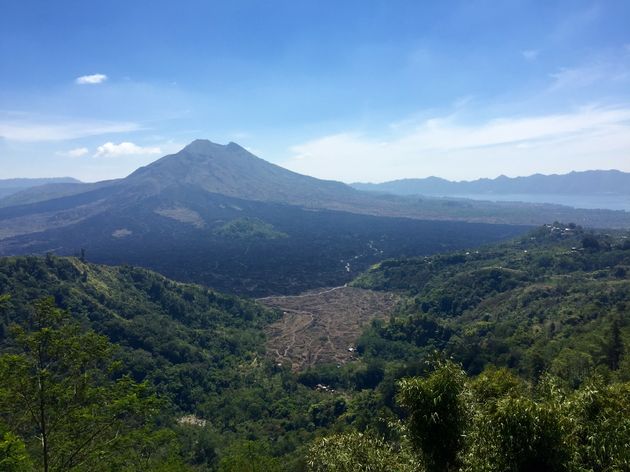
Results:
x,y
218,215
593,182
11,186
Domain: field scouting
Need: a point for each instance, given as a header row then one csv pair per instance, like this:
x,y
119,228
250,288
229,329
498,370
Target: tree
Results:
x,y
601,418
59,396
590,242
249,456
521,435
356,452
615,346
438,415
13,456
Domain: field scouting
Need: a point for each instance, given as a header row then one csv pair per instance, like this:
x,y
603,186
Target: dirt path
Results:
x,y
324,325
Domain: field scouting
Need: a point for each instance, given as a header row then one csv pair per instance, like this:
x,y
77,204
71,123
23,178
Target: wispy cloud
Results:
x,y
91,79
613,68
110,149
577,77
530,54
77,152
444,147
30,129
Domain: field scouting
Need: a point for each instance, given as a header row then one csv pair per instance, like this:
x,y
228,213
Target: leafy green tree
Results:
x,y
601,416
358,452
438,415
327,411
573,366
249,456
490,386
590,242
59,398
615,345
513,431
521,435
13,455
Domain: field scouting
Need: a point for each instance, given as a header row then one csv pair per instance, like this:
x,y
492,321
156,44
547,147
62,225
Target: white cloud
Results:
x,y
91,79
530,54
581,139
110,149
27,129
77,152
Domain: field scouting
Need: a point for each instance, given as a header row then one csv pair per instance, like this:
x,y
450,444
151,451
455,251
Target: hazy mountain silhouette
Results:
x,y
12,186
592,182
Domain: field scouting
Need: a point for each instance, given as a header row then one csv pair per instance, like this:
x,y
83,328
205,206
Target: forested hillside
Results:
x,y
555,300
507,357
202,352
510,357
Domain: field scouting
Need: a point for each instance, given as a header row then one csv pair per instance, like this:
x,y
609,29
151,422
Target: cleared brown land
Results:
x,y
321,326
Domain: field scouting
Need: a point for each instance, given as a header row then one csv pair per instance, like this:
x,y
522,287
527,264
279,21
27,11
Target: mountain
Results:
x,y
242,246
217,215
12,186
593,182
235,172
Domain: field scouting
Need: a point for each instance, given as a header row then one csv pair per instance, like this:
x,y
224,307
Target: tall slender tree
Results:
x,y
59,396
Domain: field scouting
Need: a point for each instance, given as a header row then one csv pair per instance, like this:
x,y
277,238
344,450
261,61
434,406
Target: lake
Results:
x,y
608,202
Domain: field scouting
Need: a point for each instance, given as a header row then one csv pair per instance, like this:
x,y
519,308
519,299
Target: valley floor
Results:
x,y
323,326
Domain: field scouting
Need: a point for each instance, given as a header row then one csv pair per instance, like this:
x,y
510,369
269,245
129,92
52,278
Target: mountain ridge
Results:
x,y
591,182
218,215
232,170
15,185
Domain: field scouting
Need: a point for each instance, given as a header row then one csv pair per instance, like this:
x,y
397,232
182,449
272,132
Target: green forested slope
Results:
x,y
540,326
552,308
556,300
201,350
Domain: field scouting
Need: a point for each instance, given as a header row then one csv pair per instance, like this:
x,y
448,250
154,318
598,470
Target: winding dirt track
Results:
x,y
321,326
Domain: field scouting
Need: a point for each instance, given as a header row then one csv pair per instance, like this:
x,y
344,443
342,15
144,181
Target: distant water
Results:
x,y
605,202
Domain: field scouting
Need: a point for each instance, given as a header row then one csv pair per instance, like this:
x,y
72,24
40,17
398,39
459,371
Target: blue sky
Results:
x,y
352,90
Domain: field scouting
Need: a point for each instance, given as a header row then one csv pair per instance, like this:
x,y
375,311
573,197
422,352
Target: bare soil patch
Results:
x,y
323,326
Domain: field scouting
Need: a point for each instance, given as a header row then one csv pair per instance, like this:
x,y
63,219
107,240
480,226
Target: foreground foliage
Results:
x,y
355,451
63,405
494,422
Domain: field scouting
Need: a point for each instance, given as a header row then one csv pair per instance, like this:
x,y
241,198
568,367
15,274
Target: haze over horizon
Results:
x,y
345,92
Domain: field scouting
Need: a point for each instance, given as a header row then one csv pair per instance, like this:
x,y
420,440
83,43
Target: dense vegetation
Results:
x,y
63,406
493,422
555,300
249,228
508,357
202,352
540,328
